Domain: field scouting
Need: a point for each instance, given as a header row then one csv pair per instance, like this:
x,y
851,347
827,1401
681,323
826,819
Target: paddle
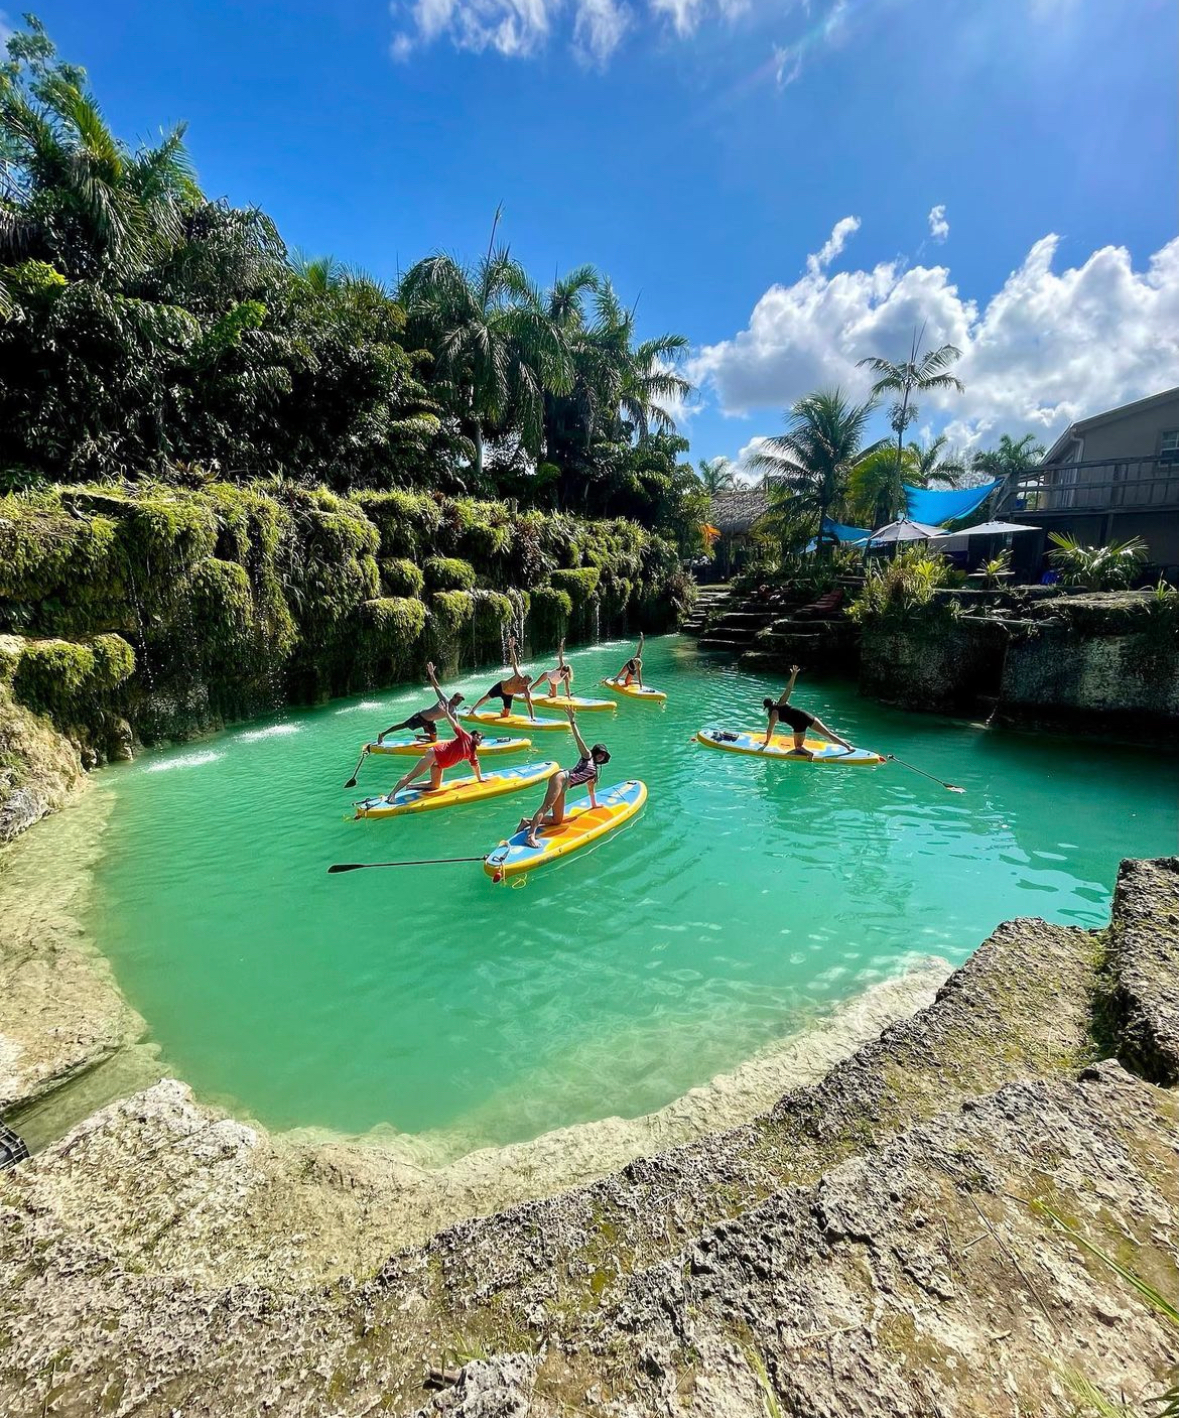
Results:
x,y
949,787
425,862
351,783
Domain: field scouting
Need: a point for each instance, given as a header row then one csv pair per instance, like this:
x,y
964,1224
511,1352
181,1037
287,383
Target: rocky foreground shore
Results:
x,y
881,1242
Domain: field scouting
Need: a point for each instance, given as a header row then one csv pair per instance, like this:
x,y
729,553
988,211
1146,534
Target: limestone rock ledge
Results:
x,y
1144,953
876,1244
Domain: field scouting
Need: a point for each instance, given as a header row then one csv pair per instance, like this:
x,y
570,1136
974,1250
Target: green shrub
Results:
x,y
408,522
448,573
402,577
399,620
63,678
1101,568
549,614
904,587
114,661
451,610
579,584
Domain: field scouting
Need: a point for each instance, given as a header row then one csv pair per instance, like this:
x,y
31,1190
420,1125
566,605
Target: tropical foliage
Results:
x,y
146,330
1103,568
919,374
715,474
809,468
902,586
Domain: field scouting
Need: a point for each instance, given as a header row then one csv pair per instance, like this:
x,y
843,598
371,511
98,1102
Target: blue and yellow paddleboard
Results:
x,y
583,706
583,824
487,718
419,746
737,741
635,691
457,791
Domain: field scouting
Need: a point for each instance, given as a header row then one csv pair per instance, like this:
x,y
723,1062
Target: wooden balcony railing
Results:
x,y
1106,485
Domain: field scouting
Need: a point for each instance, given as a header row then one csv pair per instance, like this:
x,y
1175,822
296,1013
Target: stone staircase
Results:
x,y
829,646
710,602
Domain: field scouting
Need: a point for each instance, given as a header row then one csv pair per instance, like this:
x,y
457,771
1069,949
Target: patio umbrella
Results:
x,y
984,529
903,531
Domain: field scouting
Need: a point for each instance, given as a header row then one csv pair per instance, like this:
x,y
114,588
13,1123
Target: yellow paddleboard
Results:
x,y
634,691
419,746
453,793
736,741
583,706
487,718
583,824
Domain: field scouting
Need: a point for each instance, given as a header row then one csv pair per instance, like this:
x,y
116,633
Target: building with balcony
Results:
x,y
1109,477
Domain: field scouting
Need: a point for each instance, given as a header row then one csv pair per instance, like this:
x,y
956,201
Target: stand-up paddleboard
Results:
x,y
419,746
453,793
487,717
736,741
583,706
634,691
583,824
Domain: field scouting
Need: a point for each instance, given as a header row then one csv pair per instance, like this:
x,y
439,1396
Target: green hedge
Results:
x,y
550,612
402,577
63,678
449,573
580,585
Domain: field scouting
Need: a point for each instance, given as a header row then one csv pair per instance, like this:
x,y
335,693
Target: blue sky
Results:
x,y
700,151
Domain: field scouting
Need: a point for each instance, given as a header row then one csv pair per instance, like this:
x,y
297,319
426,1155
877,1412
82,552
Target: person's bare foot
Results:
x,y
532,841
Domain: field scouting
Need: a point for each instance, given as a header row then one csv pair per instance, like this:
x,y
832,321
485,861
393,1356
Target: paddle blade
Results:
x,y
347,866
351,783
951,788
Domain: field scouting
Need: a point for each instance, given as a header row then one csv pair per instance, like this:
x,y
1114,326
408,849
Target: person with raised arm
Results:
x,y
441,756
798,719
633,669
425,721
586,770
507,688
556,679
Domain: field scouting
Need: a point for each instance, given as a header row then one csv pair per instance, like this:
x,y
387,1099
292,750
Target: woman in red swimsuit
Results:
x,y
435,760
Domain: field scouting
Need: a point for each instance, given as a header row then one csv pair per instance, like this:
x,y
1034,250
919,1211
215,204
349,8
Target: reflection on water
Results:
x,y
748,898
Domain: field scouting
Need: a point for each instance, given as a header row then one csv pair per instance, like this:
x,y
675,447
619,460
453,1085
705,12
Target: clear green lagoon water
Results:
x,y
747,900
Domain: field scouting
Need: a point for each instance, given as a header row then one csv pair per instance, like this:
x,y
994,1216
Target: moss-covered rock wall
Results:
x,y
148,612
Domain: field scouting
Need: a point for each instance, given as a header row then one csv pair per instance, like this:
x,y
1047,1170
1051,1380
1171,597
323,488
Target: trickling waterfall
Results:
x,y
597,620
516,626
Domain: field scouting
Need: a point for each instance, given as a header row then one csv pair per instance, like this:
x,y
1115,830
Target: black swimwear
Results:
x,y
798,719
427,726
497,691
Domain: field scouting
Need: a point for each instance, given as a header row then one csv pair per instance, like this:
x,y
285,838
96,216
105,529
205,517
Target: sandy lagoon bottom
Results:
x,y
755,920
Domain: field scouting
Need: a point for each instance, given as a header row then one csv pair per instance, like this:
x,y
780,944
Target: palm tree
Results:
x,y
716,474
491,337
71,192
916,375
808,468
876,486
1009,462
929,464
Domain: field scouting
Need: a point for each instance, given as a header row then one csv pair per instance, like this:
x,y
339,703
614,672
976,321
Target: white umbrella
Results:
x,y
903,531
984,529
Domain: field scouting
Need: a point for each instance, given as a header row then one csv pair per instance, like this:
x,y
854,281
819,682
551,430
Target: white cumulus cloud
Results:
x,y
939,228
1049,347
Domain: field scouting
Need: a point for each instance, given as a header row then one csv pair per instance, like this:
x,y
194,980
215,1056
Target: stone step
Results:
x,y
713,642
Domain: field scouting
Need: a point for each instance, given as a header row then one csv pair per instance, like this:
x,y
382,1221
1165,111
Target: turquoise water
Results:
x,y
748,898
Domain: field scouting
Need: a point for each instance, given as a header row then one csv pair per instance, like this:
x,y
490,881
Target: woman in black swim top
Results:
x,y
798,719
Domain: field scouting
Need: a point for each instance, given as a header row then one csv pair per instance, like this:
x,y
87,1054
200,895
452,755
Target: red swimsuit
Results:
x,y
455,750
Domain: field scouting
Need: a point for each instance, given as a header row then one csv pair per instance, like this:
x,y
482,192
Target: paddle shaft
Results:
x,y
425,862
351,783
950,787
